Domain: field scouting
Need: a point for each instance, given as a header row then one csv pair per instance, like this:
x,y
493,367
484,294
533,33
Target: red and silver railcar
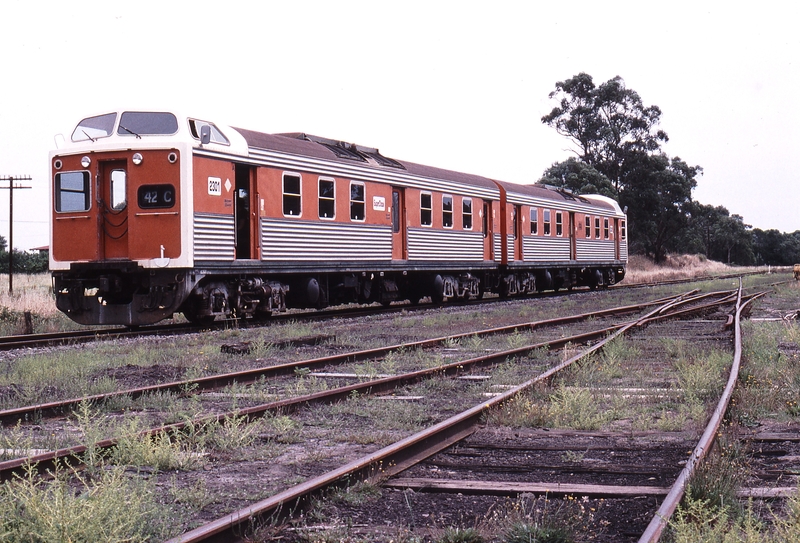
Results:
x,y
156,213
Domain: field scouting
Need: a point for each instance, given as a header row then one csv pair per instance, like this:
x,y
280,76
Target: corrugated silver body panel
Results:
x,y
301,241
214,237
497,243
623,251
545,249
595,250
445,245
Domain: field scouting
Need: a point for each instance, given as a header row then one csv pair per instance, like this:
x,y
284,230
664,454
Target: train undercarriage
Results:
x,y
126,294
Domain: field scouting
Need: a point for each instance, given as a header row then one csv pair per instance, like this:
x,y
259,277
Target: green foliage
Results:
x,y
109,507
578,177
24,262
533,533
461,535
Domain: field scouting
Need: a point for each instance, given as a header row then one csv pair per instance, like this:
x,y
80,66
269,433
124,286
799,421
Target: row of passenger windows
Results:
x,y
292,199
292,207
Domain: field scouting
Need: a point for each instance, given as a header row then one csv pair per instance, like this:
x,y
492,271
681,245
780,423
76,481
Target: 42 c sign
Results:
x,y
156,196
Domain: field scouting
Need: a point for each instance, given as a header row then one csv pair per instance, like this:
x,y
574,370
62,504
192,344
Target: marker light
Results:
x,y
85,161
137,158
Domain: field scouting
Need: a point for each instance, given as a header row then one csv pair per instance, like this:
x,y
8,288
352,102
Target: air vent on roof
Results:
x,y
352,151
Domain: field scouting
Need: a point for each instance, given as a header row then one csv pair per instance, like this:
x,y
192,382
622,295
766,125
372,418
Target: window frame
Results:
x,y
546,223
560,224
298,196
354,204
623,229
597,228
426,210
86,192
330,201
588,225
447,214
606,228
466,214
534,221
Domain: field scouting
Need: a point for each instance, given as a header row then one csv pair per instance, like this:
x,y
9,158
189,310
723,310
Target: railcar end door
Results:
x,y
113,209
399,241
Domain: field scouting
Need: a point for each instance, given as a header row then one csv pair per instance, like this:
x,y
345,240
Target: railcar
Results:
x,y
156,213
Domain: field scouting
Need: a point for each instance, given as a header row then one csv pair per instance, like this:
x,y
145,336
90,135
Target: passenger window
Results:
x,y
466,213
447,211
291,195
327,201
357,201
426,208
118,190
588,233
623,230
597,228
559,224
605,228
72,192
546,222
534,221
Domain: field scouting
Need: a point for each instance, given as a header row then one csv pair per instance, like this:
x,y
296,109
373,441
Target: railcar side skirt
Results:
x,y
214,237
595,250
538,248
324,242
450,246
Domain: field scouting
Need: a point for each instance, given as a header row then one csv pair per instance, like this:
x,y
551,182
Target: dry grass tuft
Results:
x,y
31,293
643,270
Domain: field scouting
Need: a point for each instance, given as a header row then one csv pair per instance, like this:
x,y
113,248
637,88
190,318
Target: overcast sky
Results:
x,y
459,85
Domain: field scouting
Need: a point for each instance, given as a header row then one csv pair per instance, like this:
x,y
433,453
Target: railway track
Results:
x,y
376,385
382,465
46,460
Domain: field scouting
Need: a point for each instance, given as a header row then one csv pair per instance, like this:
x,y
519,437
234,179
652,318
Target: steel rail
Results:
x,y
390,460
48,460
656,527
215,382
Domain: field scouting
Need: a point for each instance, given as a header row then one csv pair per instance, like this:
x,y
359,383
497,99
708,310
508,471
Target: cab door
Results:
x,y
113,209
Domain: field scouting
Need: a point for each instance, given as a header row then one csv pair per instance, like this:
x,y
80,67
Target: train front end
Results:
x,y
119,197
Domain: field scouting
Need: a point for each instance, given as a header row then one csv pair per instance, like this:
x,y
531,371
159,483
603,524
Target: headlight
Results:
x,y
85,161
137,158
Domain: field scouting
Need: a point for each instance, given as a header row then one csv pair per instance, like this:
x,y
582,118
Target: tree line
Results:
x,y
23,262
618,142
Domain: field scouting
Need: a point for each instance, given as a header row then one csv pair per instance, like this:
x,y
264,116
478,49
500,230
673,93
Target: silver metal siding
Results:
x,y
539,248
214,237
324,241
447,245
595,249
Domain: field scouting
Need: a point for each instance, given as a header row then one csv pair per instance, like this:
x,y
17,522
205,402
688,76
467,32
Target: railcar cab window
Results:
x,y
447,211
147,123
291,195
426,209
327,202
466,213
72,192
357,201
534,221
546,222
92,128
588,233
559,224
196,127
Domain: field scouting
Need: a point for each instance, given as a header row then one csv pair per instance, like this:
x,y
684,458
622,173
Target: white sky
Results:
x,y
459,85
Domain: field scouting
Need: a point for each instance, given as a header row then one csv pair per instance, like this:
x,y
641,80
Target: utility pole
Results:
x,y
11,188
